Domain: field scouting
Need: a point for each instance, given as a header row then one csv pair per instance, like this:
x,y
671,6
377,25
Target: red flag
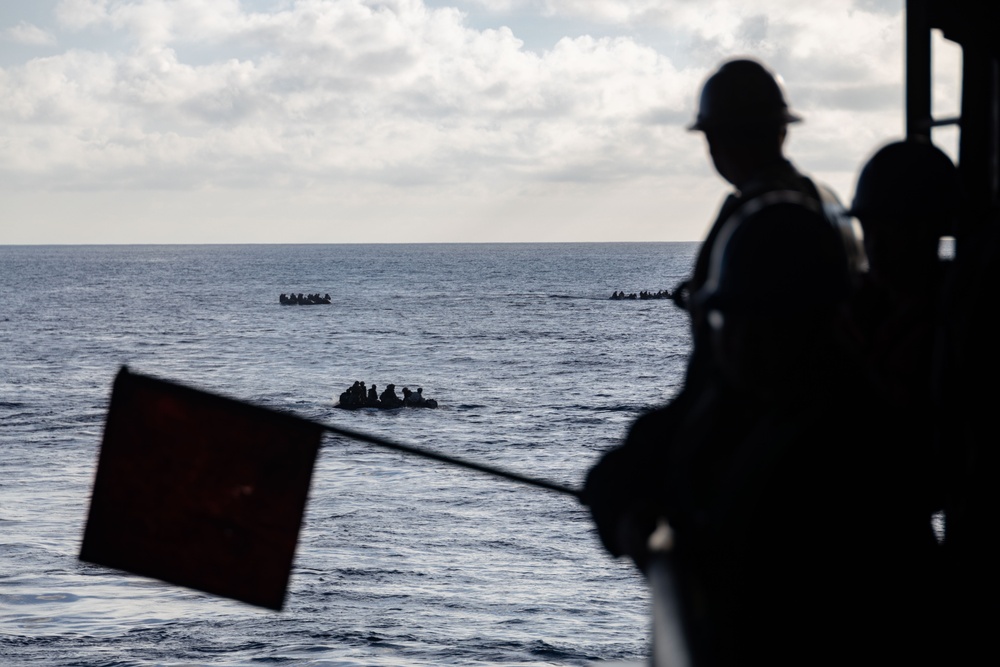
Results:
x,y
200,490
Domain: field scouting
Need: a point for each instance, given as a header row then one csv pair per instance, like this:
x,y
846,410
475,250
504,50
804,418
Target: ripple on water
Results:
x,y
400,561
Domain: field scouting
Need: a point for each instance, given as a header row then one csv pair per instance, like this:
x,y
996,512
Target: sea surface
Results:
x,y
401,561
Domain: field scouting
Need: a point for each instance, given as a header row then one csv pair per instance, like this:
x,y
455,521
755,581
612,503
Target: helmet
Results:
x,y
742,92
908,180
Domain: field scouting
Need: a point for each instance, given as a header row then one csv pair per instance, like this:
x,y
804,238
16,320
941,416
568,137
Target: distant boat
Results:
x,y
306,300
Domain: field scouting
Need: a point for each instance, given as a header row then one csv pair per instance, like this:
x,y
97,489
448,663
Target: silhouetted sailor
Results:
x,y
908,197
798,530
757,462
372,401
744,117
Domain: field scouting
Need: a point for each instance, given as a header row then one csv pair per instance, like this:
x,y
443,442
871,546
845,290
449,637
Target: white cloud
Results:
x,y
399,97
30,35
397,93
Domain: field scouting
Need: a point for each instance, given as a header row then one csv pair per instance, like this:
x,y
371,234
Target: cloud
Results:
x,y
152,22
29,35
398,96
890,7
396,93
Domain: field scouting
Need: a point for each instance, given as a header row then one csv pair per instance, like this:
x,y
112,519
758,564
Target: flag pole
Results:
x,y
451,460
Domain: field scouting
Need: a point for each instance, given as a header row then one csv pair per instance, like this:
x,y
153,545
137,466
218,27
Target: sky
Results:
x,y
346,121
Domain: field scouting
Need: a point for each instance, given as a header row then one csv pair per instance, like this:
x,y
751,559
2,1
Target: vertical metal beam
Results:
x,y
979,145
918,69
992,76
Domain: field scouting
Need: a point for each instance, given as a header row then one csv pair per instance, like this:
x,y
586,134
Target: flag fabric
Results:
x,y
200,490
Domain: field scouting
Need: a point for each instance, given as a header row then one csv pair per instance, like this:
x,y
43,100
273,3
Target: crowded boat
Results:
x,y
357,396
621,296
304,300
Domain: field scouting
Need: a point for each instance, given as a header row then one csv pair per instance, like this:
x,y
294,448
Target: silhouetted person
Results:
x,y
389,399
908,196
729,461
744,117
349,398
372,401
798,530
357,394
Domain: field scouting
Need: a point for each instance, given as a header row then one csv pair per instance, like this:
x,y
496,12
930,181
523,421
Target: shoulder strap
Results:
x,y
847,227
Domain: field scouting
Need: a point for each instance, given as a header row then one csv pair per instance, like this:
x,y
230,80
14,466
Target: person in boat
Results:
x,y
348,399
372,400
418,398
362,393
413,399
389,399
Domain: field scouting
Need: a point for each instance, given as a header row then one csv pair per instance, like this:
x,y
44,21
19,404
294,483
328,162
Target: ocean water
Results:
x,y
400,561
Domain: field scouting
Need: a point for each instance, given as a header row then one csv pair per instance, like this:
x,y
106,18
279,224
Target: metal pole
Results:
x,y
918,70
443,458
670,642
